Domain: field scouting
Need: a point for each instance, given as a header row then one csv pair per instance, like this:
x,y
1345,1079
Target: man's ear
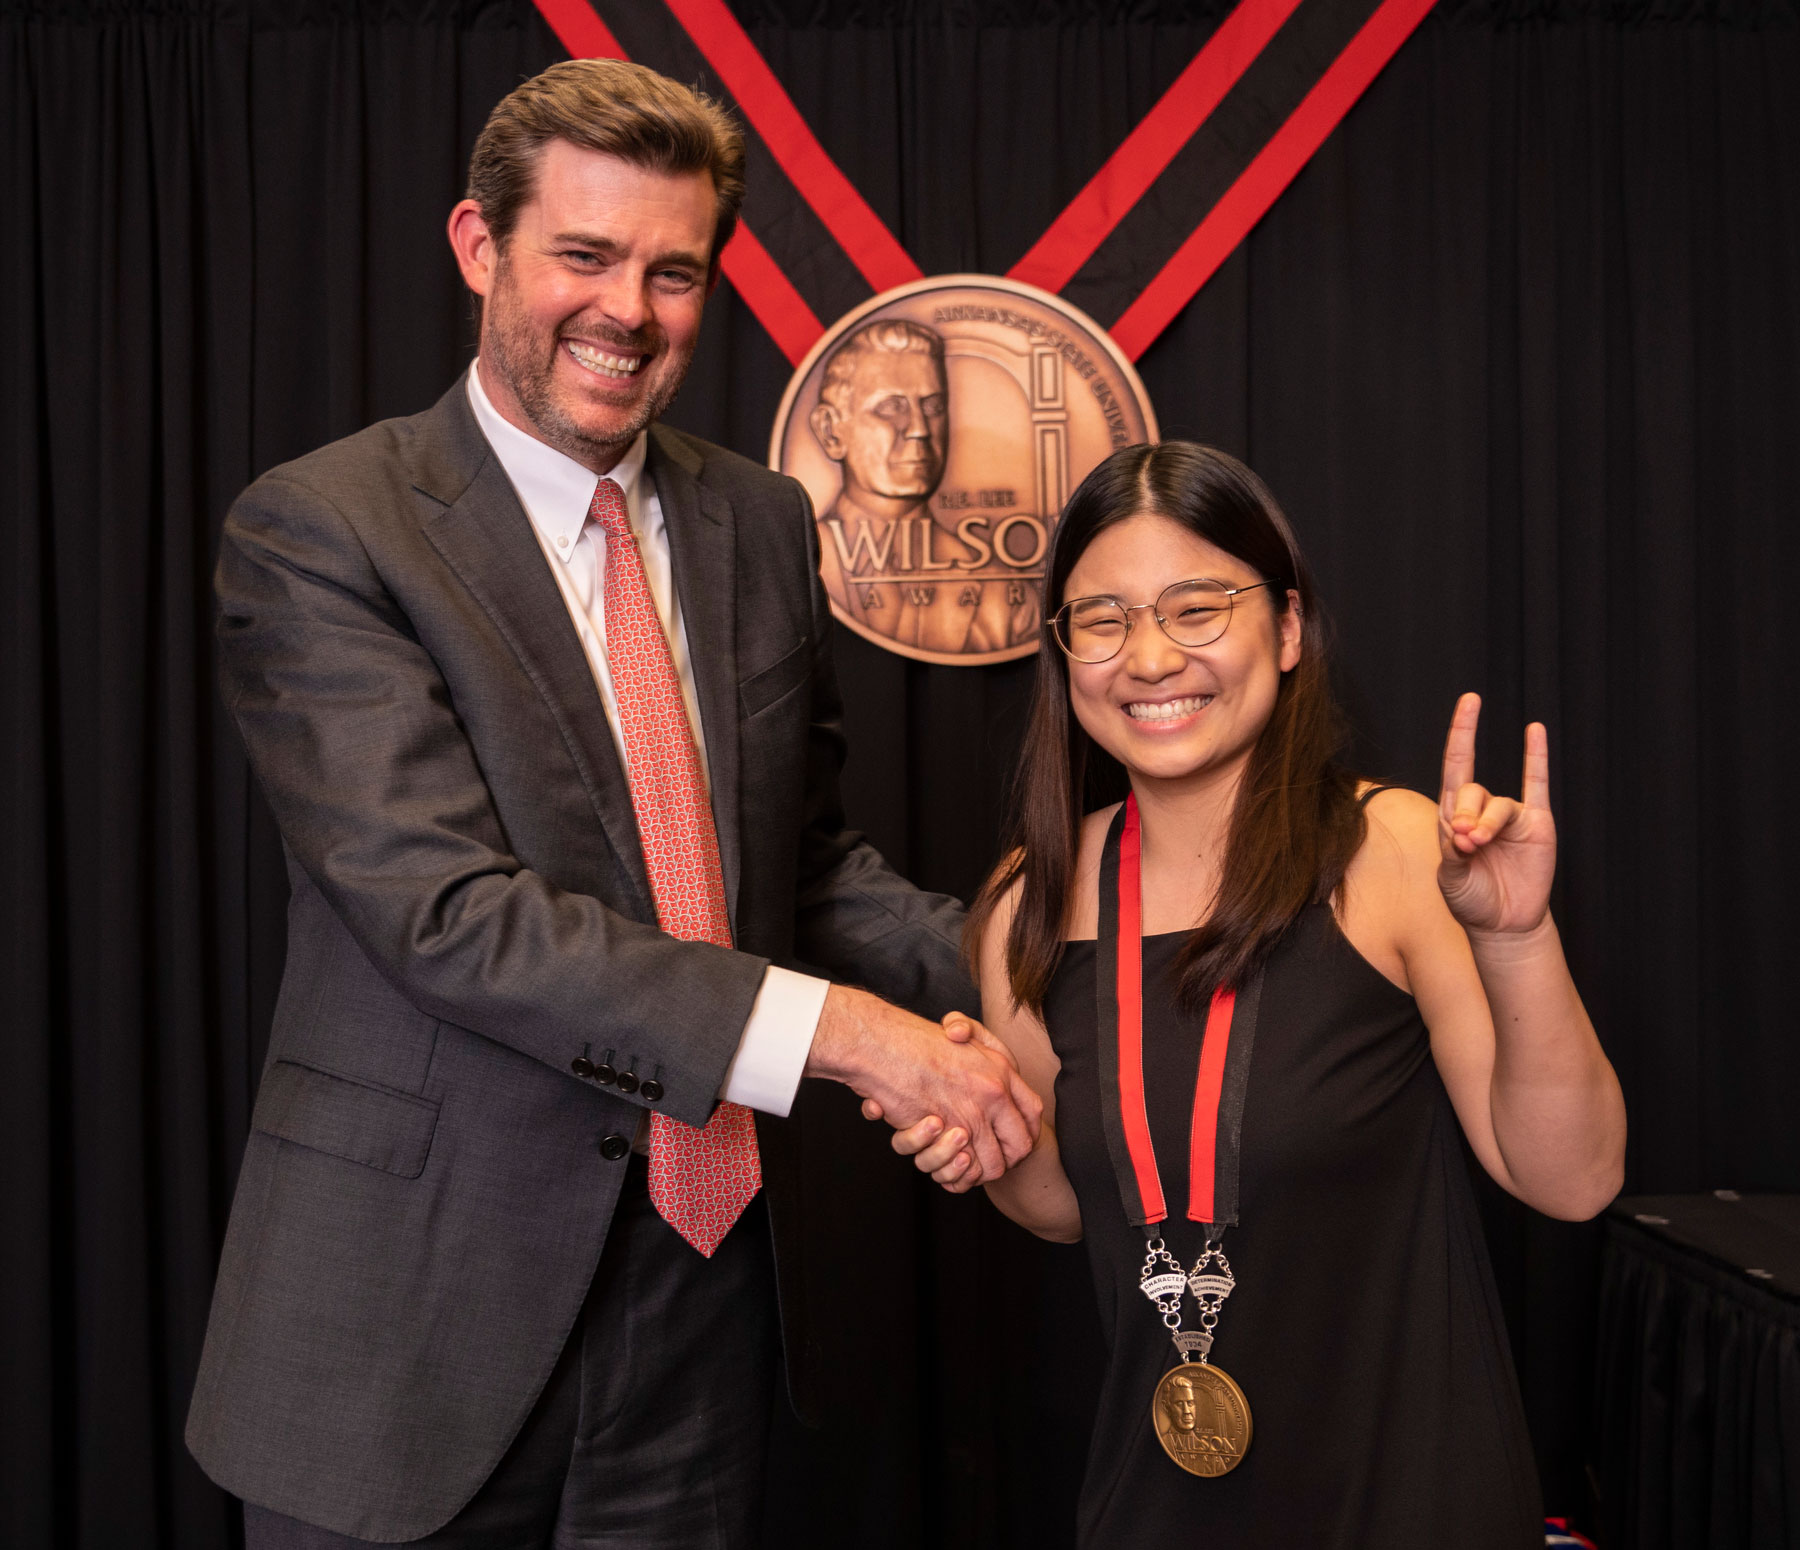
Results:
x,y
477,252
823,421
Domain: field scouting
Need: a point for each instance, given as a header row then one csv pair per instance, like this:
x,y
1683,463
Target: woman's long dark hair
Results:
x,y
1296,823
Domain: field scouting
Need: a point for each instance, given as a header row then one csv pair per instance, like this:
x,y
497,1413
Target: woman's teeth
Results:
x,y
600,361
1167,710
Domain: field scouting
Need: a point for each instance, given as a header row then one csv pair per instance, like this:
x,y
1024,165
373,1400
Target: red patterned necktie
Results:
x,y
700,1180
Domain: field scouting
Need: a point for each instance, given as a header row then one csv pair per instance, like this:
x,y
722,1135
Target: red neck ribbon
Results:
x,y
1120,973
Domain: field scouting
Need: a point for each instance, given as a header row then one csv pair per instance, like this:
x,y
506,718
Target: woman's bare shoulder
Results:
x,y
1401,831
1390,889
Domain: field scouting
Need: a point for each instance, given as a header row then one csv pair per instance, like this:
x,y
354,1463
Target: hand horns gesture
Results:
x,y
1499,856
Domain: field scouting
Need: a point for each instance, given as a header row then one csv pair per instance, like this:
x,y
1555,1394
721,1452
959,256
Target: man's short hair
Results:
x,y
613,106
894,336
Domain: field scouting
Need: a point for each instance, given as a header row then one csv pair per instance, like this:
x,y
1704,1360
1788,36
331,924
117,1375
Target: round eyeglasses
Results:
x,y
1191,613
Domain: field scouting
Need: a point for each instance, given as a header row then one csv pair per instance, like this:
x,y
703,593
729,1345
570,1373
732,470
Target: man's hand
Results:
x,y
942,1153
911,1071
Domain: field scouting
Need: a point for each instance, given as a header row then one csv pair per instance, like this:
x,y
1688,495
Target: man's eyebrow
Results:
x,y
585,239
680,257
612,249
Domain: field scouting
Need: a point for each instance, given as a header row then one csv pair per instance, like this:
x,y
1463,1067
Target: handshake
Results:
x,y
930,1081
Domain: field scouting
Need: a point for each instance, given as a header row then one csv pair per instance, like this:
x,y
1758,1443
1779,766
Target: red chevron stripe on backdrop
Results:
x,y
1152,225
1264,180
859,230
1132,169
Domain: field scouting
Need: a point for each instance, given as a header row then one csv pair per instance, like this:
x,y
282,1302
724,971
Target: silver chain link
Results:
x,y
1210,1291
1165,1286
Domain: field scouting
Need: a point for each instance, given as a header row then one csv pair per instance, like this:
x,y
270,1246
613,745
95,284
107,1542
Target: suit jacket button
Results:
x,y
652,1090
605,1075
614,1147
582,1066
628,1082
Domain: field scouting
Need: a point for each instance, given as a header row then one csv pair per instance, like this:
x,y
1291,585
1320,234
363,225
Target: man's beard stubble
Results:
x,y
511,344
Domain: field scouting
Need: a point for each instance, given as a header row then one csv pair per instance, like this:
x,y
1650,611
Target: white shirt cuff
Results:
x,y
765,1072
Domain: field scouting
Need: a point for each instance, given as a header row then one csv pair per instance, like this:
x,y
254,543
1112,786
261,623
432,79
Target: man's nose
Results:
x,y
625,298
916,425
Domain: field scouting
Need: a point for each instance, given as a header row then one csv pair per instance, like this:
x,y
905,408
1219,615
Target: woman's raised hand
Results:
x,y
1499,856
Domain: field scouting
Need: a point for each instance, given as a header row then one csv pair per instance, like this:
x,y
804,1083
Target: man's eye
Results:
x,y
675,279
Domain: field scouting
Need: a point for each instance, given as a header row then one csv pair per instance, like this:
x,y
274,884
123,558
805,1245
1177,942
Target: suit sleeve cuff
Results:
x,y
765,1072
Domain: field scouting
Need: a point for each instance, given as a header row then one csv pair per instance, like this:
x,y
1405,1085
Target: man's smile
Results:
x,y
604,363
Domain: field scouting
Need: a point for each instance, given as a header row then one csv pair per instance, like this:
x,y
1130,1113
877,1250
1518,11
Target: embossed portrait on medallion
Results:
x,y
938,429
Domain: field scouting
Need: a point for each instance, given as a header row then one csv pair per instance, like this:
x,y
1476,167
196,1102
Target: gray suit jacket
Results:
x,y
423,1200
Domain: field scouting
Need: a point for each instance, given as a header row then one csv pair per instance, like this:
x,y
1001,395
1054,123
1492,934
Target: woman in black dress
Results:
x,y
1269,1002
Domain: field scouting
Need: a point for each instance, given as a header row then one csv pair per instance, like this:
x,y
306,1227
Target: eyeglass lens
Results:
x,y
1192,613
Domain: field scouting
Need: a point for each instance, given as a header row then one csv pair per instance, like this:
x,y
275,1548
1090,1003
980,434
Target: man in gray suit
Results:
x,y
540,693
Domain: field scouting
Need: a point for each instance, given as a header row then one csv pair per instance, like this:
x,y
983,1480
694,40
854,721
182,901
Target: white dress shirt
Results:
x,y
556,493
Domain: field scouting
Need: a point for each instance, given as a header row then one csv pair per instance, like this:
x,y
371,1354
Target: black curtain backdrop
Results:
x,y
1519,351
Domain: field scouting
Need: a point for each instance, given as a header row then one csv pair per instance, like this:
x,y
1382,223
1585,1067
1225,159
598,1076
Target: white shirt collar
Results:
x,y
554,489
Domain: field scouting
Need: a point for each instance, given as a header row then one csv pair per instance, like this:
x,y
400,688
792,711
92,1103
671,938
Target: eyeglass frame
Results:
x,y
1231,595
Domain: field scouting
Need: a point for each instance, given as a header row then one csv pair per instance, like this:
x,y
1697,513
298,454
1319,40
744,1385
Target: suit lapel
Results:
x,y
703,554
482,532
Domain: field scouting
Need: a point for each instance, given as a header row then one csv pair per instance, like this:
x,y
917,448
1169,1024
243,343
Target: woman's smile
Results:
x,y
1158,714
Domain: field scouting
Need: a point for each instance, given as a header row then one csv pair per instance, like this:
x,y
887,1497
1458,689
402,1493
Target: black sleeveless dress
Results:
x,y
1364,1330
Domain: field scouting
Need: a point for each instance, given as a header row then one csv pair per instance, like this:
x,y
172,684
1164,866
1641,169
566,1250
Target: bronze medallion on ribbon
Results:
x,y
939,428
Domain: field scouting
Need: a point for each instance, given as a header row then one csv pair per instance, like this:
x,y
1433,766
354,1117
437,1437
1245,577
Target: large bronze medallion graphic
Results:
x,y
939,428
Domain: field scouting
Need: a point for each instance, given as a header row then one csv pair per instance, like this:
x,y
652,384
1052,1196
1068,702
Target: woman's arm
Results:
x,y
1034,1192
1464,889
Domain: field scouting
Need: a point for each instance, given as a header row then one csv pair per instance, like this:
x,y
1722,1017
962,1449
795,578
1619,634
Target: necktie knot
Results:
x,y
607,509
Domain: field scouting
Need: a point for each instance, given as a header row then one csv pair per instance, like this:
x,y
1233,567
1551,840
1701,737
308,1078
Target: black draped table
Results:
x,y
1698,1404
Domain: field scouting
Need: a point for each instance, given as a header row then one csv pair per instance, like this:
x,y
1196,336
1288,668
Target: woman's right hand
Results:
x,y
945,1157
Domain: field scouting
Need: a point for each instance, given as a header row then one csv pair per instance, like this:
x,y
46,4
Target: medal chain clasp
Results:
x,y
1164,1288
1210,1289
